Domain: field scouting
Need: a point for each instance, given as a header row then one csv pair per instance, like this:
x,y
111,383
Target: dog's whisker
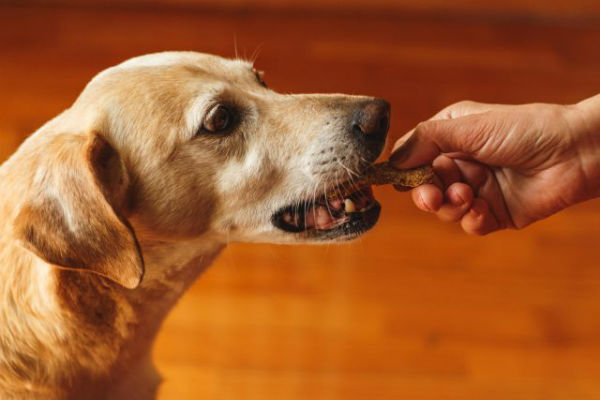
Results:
x,y
256,53
337,188
351,180
314,201
326,202
349,170
235,46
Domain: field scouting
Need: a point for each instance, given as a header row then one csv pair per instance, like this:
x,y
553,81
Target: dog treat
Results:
x,y
404,179
383,174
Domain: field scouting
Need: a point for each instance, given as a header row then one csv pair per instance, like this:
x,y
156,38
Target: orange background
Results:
x,y
414,310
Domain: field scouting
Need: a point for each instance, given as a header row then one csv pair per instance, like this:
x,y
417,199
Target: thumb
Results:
x,y
465,135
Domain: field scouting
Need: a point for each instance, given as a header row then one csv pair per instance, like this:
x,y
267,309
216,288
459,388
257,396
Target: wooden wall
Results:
x,y
555,9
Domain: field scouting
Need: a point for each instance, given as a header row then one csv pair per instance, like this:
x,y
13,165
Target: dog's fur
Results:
x,y
112,209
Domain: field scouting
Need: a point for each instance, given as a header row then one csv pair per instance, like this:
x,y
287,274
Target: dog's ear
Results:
x,y
75,220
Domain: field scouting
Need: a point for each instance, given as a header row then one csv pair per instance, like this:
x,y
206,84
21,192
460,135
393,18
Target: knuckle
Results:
x,y
466,104
464,107
424,129
421,127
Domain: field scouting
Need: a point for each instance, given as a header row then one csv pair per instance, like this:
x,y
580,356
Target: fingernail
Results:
x,y
458,200
425,205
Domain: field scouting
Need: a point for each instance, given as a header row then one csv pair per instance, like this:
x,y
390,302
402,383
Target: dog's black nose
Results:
x,y
372,118
370,125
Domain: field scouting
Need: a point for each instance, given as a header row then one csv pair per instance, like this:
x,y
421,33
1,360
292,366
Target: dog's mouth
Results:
x,y
339,213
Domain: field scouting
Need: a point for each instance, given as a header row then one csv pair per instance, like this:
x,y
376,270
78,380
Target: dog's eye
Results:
x,y
260,77
219,119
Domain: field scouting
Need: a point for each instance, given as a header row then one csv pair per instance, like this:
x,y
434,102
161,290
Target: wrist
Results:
x,y
584,120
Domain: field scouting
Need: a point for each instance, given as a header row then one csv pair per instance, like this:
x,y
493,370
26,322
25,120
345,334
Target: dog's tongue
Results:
x,y
327,213
319,218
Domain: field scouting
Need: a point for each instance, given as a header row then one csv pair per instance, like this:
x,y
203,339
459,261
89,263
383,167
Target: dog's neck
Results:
x,y
79,321
170,268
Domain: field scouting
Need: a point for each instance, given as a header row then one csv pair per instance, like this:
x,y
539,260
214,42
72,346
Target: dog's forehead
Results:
x,y
214,65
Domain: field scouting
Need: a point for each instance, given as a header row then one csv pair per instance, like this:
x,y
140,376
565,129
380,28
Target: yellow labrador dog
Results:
x,y
113,208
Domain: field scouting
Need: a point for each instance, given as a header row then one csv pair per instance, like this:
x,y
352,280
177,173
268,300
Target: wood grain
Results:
x,y
416,309
556,10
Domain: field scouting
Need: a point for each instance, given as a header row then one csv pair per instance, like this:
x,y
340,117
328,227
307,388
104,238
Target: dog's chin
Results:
x,y
341,215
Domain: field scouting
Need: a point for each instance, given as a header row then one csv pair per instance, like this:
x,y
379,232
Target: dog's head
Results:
x,y
200,145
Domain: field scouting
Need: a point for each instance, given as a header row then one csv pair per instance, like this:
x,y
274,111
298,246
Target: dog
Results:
x,y
114,207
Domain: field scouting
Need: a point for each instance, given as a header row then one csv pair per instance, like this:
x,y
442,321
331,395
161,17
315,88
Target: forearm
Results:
x,y
586,117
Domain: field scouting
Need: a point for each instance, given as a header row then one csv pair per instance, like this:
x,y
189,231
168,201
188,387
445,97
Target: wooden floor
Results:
x,y
416,310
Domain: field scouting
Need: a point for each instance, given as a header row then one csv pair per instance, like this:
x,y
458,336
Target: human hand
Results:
x,y
500,166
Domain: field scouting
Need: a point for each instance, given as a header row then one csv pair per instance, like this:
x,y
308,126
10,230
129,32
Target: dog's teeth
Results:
x,y
349,206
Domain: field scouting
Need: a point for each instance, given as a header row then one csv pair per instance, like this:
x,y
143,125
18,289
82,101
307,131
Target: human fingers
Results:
x,y
427,197
484,182
479,220
457,202
466,107
446,170
456,110
463,136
